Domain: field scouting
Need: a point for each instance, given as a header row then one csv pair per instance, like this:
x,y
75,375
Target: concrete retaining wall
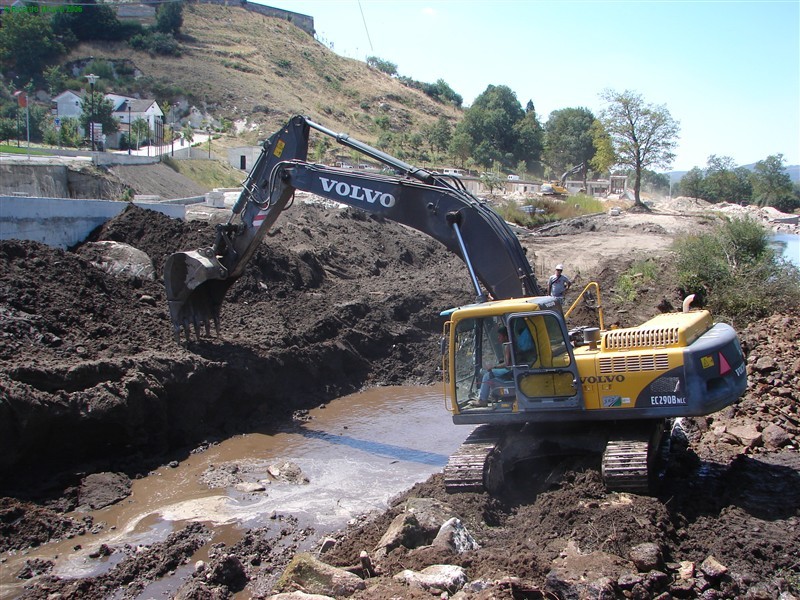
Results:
x,y
35,180
113,158
64,222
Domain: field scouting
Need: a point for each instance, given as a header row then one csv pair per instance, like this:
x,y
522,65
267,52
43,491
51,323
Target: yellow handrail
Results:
x,y
446,365
596,286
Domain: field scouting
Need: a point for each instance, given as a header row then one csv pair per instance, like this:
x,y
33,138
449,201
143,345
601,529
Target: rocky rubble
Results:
x,y
724,523
92,380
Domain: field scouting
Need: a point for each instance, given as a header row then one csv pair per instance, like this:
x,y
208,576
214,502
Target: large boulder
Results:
x,y
436,578
315,577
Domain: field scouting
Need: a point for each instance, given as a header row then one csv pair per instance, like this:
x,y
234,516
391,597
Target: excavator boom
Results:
x,y
435,204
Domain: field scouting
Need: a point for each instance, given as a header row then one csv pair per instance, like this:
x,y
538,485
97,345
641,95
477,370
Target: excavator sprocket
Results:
x,y
629,462
466,469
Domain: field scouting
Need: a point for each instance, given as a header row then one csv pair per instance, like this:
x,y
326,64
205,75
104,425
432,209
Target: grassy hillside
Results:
x,y
258,71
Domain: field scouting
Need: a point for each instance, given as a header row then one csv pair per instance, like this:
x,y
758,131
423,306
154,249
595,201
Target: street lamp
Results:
x,y
92,78
129,127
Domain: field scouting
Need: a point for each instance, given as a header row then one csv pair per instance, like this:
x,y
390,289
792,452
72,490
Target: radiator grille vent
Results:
x,y
641,338
633,363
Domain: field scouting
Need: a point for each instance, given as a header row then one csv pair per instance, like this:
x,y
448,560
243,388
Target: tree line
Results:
x,y
495,135
629,137
767,184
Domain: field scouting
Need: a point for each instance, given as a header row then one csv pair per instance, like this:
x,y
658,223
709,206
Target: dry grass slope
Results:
x,y
245,66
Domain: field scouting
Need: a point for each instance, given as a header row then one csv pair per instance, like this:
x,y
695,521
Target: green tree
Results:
x,y
156,42
442,92
725,182
68,135
531,137
691,184
460,147
169,17
494,128
188,134
568,139
644,135
384,66
140,132
99,111
438,135
772,185
656,182
604,157
27,43
94,22
8,129
492,181
56,80
35,118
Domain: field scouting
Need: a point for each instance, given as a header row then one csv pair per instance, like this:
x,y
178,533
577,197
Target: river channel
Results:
x,y
789,246
357,452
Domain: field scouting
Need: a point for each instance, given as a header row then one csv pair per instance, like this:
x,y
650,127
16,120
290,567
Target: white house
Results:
x,y
144,108
127,110
68,104
124,108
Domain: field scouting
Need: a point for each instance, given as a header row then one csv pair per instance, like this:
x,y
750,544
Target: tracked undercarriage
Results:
x,y
629,454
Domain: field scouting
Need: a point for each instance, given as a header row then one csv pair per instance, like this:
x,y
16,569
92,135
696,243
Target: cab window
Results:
x,y
538,342
476,344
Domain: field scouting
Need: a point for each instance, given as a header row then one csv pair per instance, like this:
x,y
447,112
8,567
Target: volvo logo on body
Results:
x,y
603,379
356,192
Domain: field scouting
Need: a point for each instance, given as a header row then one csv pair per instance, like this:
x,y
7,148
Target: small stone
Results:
x,y
712,568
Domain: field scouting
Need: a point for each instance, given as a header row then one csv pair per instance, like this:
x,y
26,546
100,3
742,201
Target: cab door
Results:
x,y
544,366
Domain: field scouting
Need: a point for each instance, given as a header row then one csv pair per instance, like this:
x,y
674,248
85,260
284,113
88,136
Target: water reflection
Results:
x,y
403,453
357,452
788,245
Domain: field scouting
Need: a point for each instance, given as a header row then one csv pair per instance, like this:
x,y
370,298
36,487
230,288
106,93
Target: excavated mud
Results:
x,y
92,381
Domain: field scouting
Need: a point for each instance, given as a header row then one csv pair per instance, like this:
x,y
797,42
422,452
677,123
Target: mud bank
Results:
x,y
91,380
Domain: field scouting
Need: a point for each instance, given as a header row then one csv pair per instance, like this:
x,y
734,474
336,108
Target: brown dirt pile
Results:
x,y
91,380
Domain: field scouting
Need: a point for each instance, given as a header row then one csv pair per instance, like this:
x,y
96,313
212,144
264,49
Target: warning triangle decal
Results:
x,y
724,367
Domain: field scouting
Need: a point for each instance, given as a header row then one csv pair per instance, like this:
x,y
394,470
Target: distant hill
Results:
x,y
258,71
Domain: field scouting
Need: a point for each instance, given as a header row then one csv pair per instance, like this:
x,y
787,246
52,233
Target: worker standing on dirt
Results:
x,y
558,284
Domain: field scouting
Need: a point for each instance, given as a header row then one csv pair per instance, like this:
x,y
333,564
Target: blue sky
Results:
x,y
729,72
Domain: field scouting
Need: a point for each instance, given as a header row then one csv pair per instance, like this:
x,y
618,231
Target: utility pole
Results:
x,y
92,79
22,101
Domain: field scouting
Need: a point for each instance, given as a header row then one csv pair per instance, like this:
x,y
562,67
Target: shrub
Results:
x,y
156,43
735,273
639,273
384,66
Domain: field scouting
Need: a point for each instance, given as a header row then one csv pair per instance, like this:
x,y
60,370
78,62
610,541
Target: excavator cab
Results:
x,y
543,373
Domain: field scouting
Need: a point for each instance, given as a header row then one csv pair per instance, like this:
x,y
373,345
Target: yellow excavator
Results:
x,y
512,368
558,188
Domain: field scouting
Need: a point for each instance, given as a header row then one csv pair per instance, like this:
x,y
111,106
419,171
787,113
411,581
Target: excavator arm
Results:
x,y
435,204
572,171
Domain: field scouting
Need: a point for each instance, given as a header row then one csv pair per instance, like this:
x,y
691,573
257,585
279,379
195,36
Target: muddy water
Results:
x,y
357,452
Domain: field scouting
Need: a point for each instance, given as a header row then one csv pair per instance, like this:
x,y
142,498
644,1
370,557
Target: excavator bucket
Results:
x,y
195,283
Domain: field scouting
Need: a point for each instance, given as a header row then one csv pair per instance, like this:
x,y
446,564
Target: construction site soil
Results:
x,y
93,387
